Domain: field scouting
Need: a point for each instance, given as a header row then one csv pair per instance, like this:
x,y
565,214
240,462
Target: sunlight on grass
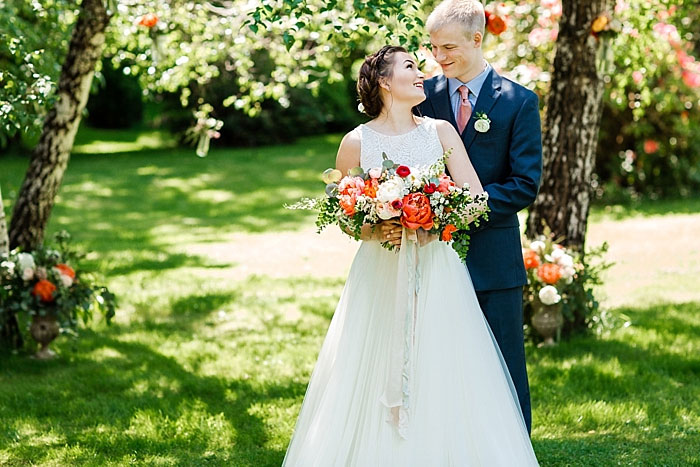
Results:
x,y
203,366
155,139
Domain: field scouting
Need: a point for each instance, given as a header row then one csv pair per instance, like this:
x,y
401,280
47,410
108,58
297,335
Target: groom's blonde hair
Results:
x,y
466,13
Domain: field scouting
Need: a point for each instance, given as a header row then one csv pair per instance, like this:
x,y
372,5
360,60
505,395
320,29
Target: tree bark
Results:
x,y
50,158
4,240
572,121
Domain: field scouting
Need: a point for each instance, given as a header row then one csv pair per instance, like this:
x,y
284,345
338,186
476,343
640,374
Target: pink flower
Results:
x,y
445,184
28,274
538,36
375,173
621,6
668,32
691,78
651,146
637,76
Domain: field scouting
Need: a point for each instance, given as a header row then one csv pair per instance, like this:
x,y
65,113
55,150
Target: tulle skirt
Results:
x,y
462,408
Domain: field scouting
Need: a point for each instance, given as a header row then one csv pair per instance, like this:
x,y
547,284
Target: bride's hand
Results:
x,y
390,231
425,237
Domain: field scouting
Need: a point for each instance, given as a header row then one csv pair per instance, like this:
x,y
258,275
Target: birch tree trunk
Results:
x,y
4,240
50,158
572,121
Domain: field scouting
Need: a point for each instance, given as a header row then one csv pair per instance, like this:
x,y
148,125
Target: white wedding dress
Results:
x,y
409,373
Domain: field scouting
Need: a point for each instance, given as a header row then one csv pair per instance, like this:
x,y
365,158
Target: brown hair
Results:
x,y
375,67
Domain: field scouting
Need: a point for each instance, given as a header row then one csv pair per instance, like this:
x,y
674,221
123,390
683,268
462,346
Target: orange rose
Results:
x,y
347,202
532,260
371,187
44,290
495,24
445,184
66,270
549,273
447,232
148,20
416,212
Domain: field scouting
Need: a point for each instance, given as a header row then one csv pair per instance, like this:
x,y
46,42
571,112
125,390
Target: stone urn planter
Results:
x,y
44,330
547,321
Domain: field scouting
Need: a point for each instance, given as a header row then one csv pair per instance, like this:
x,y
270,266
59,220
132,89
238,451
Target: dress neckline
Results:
x,y
418,125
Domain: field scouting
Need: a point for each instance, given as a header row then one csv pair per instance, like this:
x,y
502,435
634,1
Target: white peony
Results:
x,y
65,280
549,295
563,259
386,211
25,260
391,189
537,246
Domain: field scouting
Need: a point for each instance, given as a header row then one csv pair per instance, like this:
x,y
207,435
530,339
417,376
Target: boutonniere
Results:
x,y
483,123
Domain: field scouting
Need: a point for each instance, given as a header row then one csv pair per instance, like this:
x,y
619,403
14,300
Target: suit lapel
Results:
x,y
490,92
441,101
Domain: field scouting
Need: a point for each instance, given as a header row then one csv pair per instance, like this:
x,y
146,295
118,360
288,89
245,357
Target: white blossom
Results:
x,y
549,295
25,260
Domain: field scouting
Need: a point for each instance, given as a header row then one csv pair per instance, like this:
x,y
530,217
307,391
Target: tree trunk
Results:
x,y
4,240
50,158
572,121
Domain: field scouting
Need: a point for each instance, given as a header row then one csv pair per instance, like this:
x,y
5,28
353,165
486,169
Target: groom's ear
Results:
x,y
478,39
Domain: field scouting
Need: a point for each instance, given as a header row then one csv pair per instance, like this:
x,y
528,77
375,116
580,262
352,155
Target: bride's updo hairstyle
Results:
x,y
375,67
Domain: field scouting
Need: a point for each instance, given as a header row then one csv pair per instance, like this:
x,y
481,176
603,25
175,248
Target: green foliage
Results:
x,y
33,41
48,282
649,143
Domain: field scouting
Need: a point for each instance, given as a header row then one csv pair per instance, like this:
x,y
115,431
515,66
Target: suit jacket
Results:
x,y
508,160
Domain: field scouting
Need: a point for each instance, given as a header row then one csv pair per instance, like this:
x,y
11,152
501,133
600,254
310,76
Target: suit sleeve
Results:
x,y
519,189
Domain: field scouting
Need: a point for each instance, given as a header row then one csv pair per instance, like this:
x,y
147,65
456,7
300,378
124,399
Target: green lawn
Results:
x,y
204,369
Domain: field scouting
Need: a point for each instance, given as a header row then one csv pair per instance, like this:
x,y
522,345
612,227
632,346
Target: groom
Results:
x,y
499,123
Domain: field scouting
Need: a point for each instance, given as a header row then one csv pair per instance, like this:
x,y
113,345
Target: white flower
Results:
x,y
549,295
560,257
386,211
25,260
28,274
65,280
567,273
537,246
391,189
9,265
375,172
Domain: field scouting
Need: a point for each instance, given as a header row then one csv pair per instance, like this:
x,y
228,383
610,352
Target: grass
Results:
x,y
203,369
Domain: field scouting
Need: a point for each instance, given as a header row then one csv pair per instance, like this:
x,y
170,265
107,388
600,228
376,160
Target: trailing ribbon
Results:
x,y
396,395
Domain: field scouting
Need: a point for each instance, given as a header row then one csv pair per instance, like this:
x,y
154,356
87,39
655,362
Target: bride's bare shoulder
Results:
x,y
349,151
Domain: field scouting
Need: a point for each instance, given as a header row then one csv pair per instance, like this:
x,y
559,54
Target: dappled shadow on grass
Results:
x,y
624,393
149,387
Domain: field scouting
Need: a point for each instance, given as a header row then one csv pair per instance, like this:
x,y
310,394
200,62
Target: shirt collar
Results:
x,y
474,85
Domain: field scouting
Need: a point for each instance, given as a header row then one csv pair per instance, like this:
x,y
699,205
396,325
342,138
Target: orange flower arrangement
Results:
x,y
417,212
550,273
44,289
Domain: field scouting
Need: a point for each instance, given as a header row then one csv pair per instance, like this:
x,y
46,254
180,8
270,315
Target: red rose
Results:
x,y
403,171
429,188
417,212
397,204
44,290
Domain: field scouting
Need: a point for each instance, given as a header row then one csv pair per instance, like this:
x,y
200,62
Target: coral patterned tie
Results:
x,y
465,109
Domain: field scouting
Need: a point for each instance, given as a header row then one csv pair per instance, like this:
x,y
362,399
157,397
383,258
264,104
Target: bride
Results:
x,y
436,392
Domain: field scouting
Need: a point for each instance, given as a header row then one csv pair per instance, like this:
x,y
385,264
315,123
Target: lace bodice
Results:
x,y
420,146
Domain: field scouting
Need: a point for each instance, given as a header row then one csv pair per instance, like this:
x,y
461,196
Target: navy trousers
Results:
x,y
504,312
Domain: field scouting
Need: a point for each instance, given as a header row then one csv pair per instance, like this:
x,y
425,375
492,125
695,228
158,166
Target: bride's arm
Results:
x,y
349,157
459,165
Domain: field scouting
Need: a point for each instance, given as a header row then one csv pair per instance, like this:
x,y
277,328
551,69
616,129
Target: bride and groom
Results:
x,y
461,395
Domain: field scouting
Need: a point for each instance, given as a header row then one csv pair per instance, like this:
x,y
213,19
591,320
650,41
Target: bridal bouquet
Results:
x,y
419,197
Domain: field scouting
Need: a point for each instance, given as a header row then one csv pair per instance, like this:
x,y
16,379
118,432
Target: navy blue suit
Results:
x,y
508,160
